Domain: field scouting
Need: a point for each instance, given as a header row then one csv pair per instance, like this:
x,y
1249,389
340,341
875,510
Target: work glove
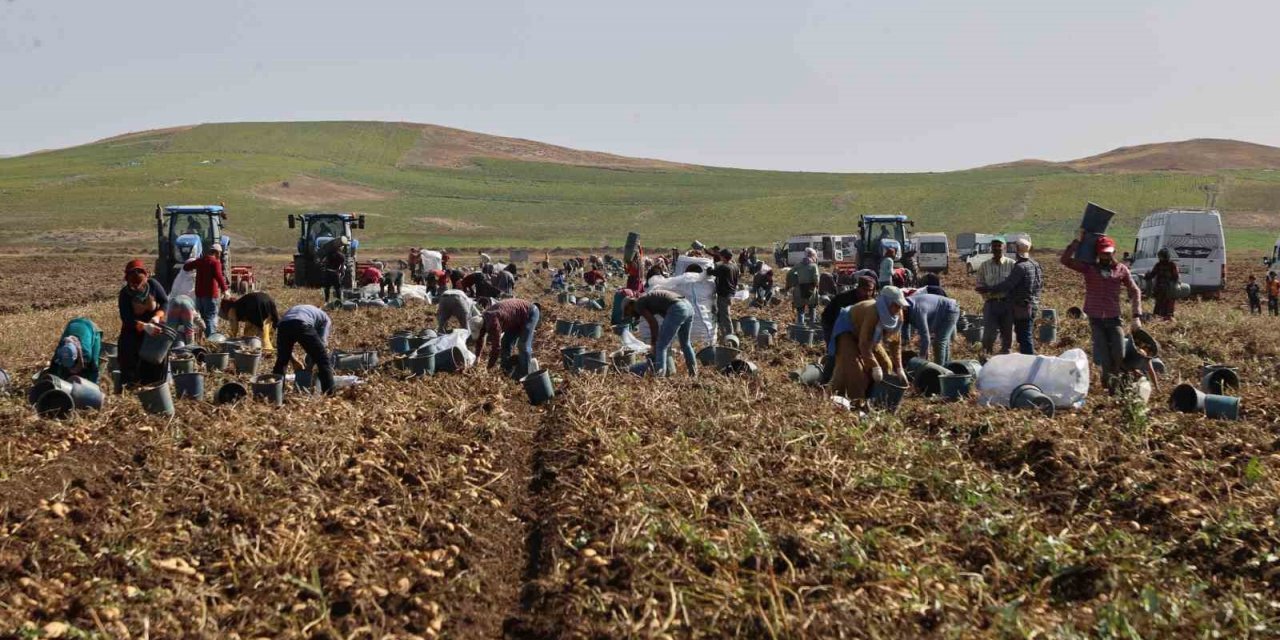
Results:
x,y
877,374
151,329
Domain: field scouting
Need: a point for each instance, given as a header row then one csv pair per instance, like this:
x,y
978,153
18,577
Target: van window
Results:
x,y
933,247
798,246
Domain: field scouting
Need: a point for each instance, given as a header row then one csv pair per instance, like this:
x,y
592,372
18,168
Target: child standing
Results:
x,y
1255,296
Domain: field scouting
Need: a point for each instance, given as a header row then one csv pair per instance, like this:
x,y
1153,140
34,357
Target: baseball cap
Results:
x,y
1106,245
893,295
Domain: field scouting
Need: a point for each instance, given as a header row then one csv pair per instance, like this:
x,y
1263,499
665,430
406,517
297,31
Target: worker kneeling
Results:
x,y
858,343
513,319
309,327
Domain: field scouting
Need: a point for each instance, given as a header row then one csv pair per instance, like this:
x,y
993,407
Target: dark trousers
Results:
x,y
300,333
997,318
1273,305
133,369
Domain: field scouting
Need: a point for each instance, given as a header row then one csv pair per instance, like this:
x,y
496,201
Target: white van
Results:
x,y
830,248
1195,242
932,252
979,253
1271,260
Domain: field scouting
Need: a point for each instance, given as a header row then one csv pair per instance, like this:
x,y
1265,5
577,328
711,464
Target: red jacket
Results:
x,y
208,270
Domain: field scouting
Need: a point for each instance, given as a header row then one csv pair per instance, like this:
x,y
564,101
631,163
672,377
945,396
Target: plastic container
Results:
x,y
1218,379
421,363
1139,349
270,388
1096,218
178,365
538,387
399,343
973,333
732,341
725,356
247,361
46,383
55,404
965,367
1064,378
632,245
767,326
887,394
955,386
108,349
450,361
230,392
593,362
809,376
764,340
1187,399
1049,315
1087,250
189,385
349,305
589,330
86,393
706,355
749,326
216,361
565,327
355,360
155,348
1048,333
157,399
569,356
1225,407
927,378
1029,396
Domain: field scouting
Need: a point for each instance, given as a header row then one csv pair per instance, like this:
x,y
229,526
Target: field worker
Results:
x,y
931,283
444,259
934,319
509,320
803,282
857,345
1163,278
309,327
141,303
761,283
333,266
182,317
476,284
505,282
1254,293
659,268
1102,284
725,274
1022,293
484,258
885,274
455,305
78,352
677,324
864,289
210,285
392,282
371,275
593,277
1273,294
184,283
252,315
997,315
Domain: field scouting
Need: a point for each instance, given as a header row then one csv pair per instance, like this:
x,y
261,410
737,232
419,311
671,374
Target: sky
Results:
x,y
902,85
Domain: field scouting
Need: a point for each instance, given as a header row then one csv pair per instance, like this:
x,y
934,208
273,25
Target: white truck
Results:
x,y
932,252
1195,242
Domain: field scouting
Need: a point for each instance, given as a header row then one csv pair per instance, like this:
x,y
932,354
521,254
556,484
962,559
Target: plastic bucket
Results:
x,y
562,297
394,302
216,361
1182,291
355,360
116,376
725,356
247,361
803,334
55,404
1187,399
86,393
1226,407
189,385
767,326
421,363
887,394
182,365
764,340
809,376
1048,333
1087,250
1219,379
593,361
45,384
269,387
955,386
965,367
450,361
108,350
348,305
589,330
1075,313
113,362
1139,349
973,333
230,392
569,356
565,327
399,343
1029,396
538,387
157,399
1095,218
749,326
732,341
927,378
156,348
625,359
629,250
1049,315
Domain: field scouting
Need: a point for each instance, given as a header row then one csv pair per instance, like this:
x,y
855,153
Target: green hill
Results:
x,y
422,184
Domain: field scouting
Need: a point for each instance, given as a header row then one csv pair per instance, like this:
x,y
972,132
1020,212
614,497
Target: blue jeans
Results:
x,y
208,310
525,337
942,342
677,322
1022,329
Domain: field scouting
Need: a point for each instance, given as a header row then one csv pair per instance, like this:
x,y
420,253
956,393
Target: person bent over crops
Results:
x,y
258,313
454,304
309,327
677,323
509,320
857,344
78,351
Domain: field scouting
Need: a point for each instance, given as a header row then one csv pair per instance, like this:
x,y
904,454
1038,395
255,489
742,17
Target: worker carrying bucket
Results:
x,y
1103,281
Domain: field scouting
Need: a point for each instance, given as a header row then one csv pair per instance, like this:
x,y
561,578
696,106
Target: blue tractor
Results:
x,y
877,234
187,231
319,235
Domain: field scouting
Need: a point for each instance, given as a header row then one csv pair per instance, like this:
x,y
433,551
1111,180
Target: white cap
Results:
x,y
893,295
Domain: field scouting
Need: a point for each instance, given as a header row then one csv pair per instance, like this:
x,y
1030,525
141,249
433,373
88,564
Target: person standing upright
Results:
x,y
1273,294
997,314
210,285
1254,293
1022,290
1103,281
726,277
1163,278
803,282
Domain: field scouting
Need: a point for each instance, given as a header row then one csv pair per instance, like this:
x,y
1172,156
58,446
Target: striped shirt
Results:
x,y
1102,288
993,272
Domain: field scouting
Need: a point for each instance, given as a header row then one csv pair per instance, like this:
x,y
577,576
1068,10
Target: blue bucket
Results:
x,y
399,343
749,326
1096,219
1187,399
1048,333
955,386
189,385
1226,407
86,393
886,395
156,348
1029,396
1219,379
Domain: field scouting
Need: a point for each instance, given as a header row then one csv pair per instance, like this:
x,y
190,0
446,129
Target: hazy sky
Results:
x,y
820,85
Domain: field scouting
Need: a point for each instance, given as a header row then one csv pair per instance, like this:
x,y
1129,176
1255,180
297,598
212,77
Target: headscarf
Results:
x,y
69,353
136,280
888,322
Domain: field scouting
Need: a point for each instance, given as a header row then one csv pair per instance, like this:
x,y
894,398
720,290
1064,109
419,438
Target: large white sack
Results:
x,y
413,292
457,338
184,284
700,290
683,262
1063,378
431,260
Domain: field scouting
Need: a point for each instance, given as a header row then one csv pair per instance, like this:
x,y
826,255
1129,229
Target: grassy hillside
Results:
x,y
103,193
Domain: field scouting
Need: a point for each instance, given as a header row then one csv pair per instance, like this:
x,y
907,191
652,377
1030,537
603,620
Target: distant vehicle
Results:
x,y
1195,242
1271,260
877,233
979,253
964,244
831,248
932,252
184,232
320,234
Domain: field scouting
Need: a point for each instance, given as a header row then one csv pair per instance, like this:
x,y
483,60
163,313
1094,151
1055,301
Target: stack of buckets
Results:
x,y
1211,398
1048,326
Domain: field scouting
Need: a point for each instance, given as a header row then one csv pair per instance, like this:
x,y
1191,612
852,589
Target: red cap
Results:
x,y
1106,245
135,264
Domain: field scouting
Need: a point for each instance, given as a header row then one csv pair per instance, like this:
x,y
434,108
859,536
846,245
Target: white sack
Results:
x,y
1063,378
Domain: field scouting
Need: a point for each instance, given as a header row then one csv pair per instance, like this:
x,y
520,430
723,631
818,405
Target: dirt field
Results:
x,y
714,507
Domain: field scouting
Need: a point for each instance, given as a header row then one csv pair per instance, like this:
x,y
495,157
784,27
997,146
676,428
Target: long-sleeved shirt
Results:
x,y
992,273
929,315
505,281
656,302
477,284
1102,287
1023,284
502,316
862,319
310,315
134,314
726,276
210,282
885,275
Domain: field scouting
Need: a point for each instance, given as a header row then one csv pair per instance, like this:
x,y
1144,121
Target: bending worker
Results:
x,y
858,344
934,318
454,304
308,326
78,351
677,322
258,313
509,320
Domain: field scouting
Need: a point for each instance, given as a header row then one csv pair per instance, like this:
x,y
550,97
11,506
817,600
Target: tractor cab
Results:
x,y
879,233
319,235
184,232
